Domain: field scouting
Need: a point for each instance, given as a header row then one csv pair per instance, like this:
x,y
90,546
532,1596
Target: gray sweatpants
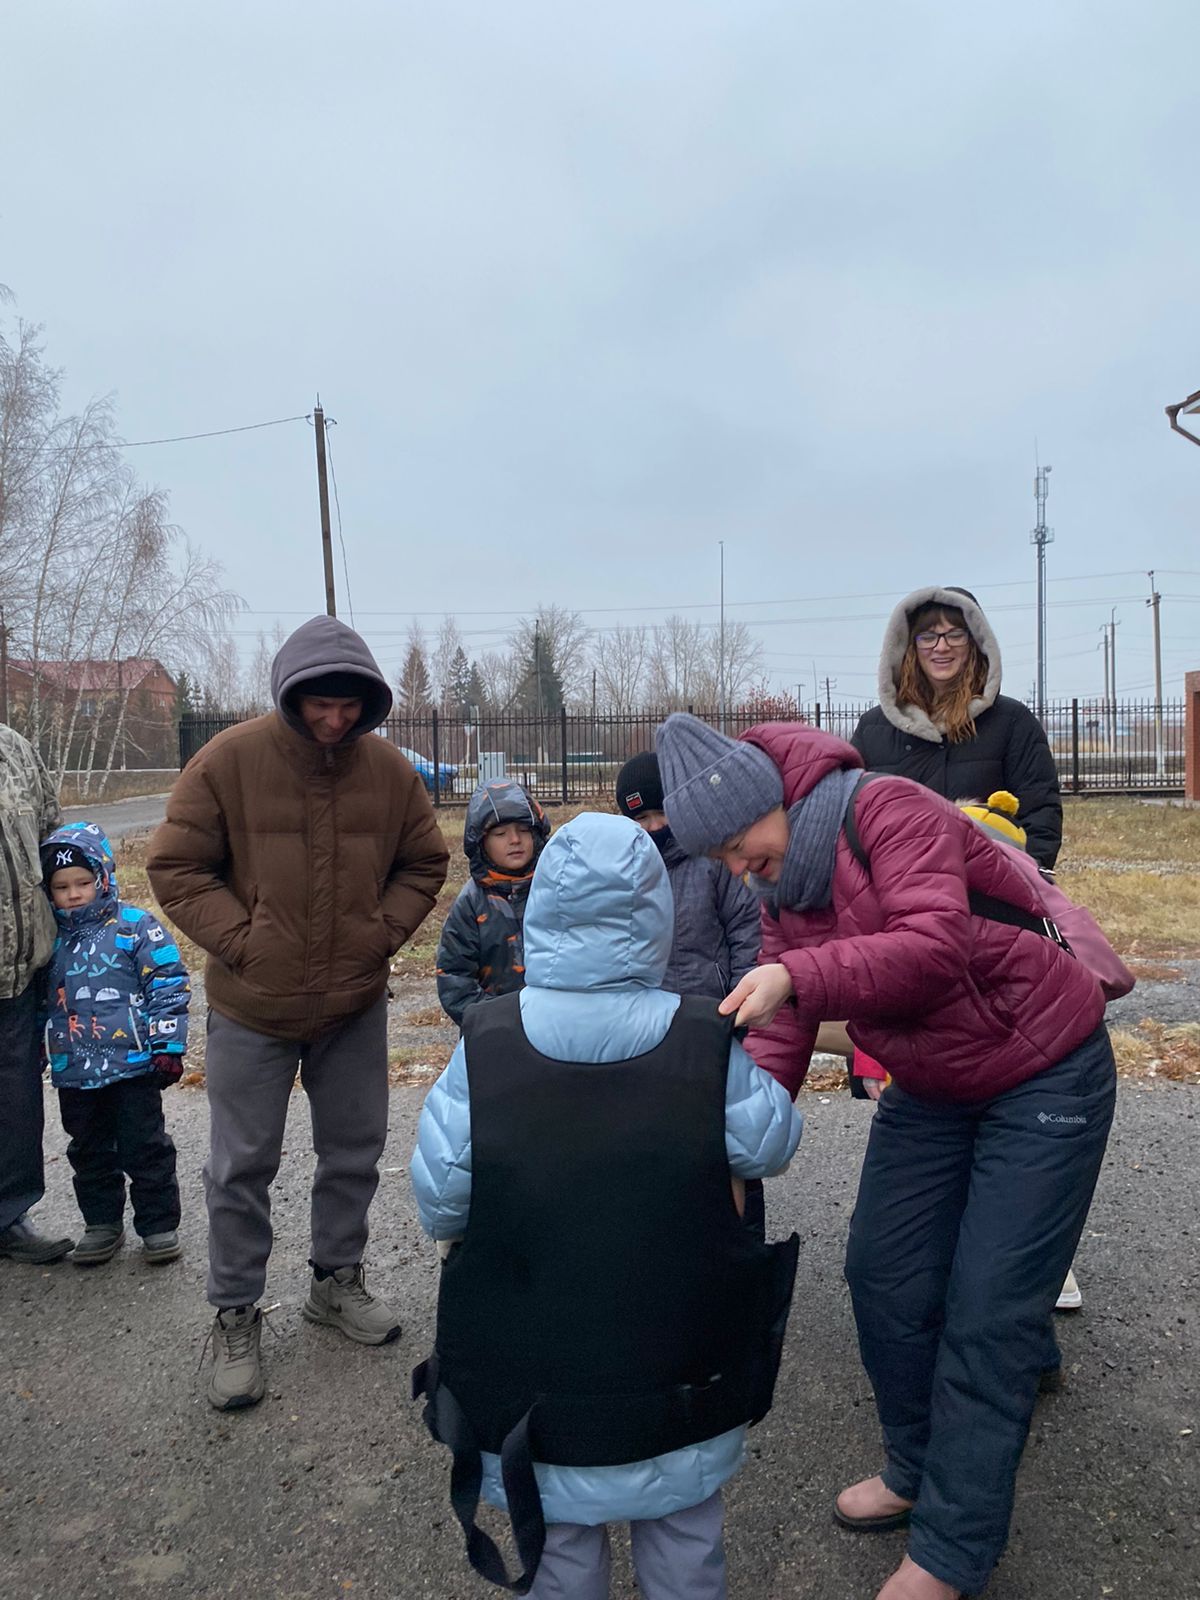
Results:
x,y
250,1077
680,1557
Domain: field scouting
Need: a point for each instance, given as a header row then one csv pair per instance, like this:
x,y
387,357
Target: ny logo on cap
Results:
x,y
63,858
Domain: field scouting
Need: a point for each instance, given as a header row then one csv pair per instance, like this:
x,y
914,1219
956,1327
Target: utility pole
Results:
x,y
721,673
830,686
1112,651
1112,671
537,680
1040,538
323,491
1153,603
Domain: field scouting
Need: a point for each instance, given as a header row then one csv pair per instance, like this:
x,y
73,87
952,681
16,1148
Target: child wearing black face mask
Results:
x,y
718,922
717,918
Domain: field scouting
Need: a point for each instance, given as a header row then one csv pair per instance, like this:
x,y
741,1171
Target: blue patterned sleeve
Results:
x,y
163,981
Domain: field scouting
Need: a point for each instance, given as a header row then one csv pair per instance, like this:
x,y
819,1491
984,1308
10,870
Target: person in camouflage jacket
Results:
x,y
28,811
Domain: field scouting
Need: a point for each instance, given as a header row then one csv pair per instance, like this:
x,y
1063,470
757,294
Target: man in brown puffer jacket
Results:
x,y
300,852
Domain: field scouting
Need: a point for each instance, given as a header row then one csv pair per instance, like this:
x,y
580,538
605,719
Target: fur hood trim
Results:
x,y
911,718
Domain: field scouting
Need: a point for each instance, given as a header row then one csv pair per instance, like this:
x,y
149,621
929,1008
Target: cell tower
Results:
x,y
1040,538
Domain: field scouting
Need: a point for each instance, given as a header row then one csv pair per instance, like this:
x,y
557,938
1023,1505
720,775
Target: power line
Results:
x,y
178,438
809,599
215,433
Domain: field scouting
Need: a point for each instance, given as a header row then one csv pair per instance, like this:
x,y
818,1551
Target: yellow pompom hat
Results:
x,y
999,814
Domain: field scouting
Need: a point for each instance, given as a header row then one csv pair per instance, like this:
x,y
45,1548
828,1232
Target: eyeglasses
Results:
x,y
954,637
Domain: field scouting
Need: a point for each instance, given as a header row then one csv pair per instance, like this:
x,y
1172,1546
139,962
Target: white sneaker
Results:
x,y
1071,1298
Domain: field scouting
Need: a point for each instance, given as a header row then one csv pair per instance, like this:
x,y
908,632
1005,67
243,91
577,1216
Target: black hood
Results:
x,y
501,801
325,645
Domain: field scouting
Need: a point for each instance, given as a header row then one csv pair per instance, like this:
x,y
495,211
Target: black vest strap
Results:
x,y
447,1424
979,904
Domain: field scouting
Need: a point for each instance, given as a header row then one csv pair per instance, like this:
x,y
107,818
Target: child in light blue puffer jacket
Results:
x,y
598,935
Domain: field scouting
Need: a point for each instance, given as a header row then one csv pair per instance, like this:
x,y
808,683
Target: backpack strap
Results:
x,y
853,838
987,906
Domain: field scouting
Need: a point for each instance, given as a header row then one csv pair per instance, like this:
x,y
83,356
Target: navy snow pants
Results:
x,y
966,1221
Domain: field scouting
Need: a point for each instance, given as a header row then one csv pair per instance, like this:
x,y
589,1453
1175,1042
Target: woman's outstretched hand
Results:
x,y
758,996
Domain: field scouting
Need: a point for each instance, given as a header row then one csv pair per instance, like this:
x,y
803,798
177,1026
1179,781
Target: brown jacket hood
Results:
x,y
321,645
913,719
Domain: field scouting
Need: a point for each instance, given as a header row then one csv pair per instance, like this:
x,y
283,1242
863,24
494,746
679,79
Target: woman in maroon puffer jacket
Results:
x,y
985,1149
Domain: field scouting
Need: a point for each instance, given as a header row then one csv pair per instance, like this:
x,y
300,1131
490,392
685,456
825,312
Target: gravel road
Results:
x,y
1171,1001
117,1479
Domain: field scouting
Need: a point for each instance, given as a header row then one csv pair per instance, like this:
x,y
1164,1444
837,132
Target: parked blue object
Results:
x,y
447,772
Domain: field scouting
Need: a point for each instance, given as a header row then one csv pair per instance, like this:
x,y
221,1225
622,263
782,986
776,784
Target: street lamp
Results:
x,y
1190,408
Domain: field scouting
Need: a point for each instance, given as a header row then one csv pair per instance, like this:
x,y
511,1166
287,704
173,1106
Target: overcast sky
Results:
x,y
591,288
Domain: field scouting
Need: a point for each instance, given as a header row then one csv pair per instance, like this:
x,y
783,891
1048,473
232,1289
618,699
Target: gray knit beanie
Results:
x,y
713,786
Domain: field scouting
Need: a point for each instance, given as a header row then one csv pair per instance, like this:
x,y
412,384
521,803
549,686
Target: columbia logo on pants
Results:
x,y
1050,1116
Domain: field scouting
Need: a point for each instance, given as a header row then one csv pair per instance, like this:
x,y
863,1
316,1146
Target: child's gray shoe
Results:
x,y
159,1247
237,1378
342,1300
100,1243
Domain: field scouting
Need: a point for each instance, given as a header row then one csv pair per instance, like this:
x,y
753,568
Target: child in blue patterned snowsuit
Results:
x,y
116,1010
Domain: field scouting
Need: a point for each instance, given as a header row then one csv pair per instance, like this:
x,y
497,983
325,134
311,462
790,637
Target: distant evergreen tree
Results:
x,y
186,704
477,698
541,690
414,693
458,683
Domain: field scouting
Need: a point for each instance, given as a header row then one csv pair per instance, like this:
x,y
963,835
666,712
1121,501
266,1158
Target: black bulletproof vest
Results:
x,y
607,1303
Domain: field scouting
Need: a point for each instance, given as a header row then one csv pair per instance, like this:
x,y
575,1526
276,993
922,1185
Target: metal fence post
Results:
x,y
1075,746
817,711
563,746
437,766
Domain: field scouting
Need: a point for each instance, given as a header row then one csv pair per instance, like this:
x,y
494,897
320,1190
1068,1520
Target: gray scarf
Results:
x,y
814,822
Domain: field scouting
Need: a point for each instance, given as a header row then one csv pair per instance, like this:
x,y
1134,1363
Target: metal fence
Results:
x,y
1127,747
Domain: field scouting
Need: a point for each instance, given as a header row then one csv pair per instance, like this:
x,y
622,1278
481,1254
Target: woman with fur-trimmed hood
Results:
x,y
942,721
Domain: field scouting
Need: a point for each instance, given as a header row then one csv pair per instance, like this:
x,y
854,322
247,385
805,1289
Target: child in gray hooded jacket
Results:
x,y
718,920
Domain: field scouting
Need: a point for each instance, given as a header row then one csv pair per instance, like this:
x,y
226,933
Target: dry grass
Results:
x,y
1154,1051
1143,913
120,786
1148,899
426,1017
1130,830
417,1066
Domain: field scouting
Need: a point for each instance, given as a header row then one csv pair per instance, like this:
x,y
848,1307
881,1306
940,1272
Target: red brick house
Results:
x,y
93,692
